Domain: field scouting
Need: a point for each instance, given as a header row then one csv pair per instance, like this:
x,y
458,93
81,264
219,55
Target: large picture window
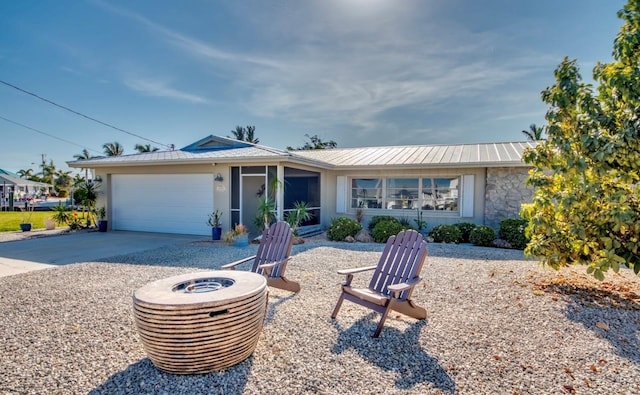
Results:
x,y
425,193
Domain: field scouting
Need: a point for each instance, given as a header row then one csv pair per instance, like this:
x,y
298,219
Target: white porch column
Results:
x,y
280,192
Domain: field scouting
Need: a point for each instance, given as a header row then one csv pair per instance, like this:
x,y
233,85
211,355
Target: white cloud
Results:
x,y
341,67
160,89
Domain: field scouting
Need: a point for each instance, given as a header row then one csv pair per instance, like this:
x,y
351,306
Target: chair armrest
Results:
x,y
404,286
273,264
233,265
356,270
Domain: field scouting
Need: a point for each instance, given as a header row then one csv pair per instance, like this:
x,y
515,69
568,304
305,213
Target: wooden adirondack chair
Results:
x,y
272,257
394,278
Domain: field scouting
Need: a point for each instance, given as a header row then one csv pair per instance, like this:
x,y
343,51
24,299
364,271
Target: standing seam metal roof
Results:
x,y
456,155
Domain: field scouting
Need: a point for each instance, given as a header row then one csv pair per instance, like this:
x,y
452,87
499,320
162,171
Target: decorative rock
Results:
x,y
500,243
349,239
364,237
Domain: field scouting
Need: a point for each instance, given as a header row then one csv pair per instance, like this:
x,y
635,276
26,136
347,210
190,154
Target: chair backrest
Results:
x,y
402,259
275,245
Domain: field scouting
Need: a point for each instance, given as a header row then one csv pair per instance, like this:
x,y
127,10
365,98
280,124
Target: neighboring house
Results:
x,y
174,191
12,186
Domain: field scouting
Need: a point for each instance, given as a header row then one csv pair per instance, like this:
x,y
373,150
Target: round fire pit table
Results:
x,y
201,322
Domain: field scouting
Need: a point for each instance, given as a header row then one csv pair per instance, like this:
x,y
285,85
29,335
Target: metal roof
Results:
x,y
456,155
221,149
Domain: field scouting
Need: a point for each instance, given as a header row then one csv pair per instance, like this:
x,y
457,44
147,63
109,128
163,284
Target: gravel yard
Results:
x,y
497,324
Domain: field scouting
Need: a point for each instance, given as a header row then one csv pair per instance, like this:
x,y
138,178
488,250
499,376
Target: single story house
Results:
x,y
175,191
13,188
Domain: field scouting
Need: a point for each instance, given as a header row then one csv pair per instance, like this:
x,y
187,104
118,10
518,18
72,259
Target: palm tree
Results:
x,y
48,171
26,174
113,149
249,136
238,133
534,133
84,155
145,148
63,182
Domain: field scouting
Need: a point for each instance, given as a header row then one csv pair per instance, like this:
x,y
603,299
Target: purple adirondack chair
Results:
x,y
272,257
395,276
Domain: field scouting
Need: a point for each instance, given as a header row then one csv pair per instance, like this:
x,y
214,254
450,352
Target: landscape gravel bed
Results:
x,y
497,324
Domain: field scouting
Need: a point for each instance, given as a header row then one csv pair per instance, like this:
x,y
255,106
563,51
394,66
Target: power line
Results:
x,y
46,134
169,146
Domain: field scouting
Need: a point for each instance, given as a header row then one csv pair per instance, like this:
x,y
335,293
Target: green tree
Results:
x,y
245,134
145,148
48,172
250,135
26,174
63,182
113,149
238,133
586,207
535,133
84,155
314,143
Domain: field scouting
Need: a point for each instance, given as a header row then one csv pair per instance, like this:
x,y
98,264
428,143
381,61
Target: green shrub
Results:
x,y
482,236
446,234
466,228
378,218
342,227
512,230
384,229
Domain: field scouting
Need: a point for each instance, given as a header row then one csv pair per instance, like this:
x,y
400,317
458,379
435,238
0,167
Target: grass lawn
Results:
x,y
10,220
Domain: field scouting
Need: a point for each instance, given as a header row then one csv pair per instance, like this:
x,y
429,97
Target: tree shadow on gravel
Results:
x,y
394,351
144,378
611,311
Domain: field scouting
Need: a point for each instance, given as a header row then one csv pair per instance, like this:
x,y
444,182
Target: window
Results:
x,y
366,193
440,194
402,193
426,193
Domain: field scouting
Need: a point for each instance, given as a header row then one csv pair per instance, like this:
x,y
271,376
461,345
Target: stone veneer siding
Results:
x,y
505,192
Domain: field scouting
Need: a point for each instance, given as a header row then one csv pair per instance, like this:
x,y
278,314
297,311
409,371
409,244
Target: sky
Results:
x,y
358,72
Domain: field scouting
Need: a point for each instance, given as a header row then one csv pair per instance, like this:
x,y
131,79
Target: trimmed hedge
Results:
x,y
384,229
446,234
465,228
482,236
379,218
512,230
342,227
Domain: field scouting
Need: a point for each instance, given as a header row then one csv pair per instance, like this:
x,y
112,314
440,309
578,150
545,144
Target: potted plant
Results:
x,y
214,223
238,236
25,221
103,223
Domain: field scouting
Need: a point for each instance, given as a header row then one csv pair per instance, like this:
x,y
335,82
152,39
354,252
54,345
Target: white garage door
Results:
x,y
164,203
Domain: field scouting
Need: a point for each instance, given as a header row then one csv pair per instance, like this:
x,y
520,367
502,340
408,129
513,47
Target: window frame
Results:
x,y
385,201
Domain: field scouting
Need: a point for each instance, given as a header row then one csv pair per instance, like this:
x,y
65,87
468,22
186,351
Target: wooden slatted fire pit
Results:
x,y
201,322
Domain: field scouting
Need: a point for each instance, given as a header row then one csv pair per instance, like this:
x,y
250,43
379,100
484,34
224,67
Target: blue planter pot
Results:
x,y
216,233
25,227
241,241
103,224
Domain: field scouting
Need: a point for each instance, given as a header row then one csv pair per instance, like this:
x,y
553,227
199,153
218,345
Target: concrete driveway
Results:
x,y
43,252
